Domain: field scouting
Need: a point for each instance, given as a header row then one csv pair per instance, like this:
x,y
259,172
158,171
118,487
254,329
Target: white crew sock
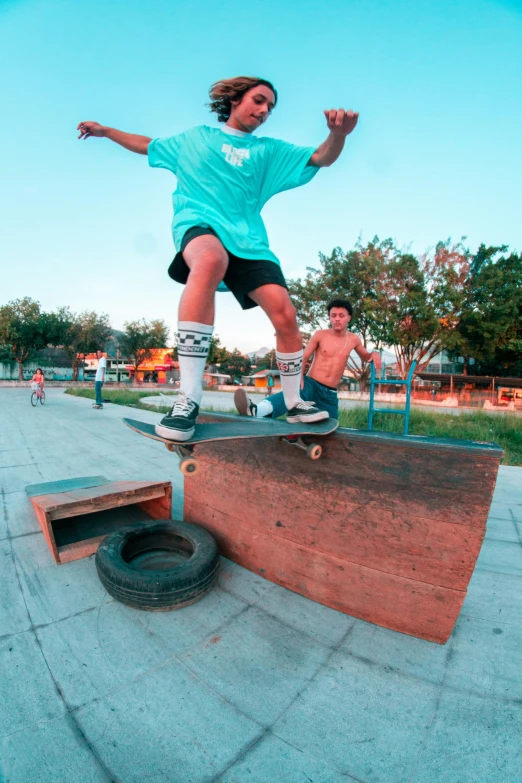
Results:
x,y
193,345
264,408
290,365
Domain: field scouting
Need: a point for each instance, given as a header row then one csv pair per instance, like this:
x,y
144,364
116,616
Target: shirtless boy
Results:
x,y
332,348
225,177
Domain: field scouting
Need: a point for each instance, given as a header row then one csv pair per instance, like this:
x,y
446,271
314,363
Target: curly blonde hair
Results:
x,y
226,90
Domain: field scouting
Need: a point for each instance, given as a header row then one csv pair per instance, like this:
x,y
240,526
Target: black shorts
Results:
x,y
242,276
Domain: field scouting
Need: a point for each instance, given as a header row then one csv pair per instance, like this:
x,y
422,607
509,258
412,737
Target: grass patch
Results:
x,y
504,429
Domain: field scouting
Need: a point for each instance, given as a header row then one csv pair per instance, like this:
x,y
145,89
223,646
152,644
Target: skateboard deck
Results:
x,y
243,428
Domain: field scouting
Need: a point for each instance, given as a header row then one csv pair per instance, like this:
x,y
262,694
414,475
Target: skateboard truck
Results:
x,y
190,465
313,450
187,463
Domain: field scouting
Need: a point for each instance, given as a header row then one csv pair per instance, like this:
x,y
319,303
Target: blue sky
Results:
x,y
437,152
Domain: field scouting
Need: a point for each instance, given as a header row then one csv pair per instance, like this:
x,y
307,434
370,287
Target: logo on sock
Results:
x,y
193,343
290,367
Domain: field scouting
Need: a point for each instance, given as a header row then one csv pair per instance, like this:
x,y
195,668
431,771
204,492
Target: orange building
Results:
x,y
260,379
156,368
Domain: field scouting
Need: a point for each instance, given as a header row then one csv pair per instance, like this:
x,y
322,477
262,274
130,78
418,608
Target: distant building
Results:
x,y
159,368
211,379
502,390
259,379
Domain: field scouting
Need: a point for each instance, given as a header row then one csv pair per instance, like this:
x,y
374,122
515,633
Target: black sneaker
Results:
x,y
244,404
179,423
306,413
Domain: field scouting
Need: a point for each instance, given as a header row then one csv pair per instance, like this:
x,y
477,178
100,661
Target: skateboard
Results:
x,y
291,434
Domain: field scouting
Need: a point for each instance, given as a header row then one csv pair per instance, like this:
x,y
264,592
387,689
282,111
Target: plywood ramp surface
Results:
x,y
386,529
74,522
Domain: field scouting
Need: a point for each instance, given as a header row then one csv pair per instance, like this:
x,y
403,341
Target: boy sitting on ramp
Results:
x,y
332,348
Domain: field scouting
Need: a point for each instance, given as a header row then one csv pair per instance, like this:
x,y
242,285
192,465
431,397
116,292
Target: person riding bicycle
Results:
x,y
38,378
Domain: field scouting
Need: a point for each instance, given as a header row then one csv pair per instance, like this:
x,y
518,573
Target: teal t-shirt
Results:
x,y
225,177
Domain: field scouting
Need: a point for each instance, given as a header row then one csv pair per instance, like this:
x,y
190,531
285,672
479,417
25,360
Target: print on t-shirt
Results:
x,y
233,155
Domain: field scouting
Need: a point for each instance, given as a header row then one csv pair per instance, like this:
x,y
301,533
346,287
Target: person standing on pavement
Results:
x,y
99,379
270,385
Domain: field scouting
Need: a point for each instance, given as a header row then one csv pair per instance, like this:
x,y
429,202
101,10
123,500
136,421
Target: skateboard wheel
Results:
x,y
170,447
314,451
188,466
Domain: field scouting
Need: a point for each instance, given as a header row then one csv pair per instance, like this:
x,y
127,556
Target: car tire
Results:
x,y
159,566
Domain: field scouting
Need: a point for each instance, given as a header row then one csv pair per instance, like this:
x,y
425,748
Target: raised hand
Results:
x,y
341,122
90,128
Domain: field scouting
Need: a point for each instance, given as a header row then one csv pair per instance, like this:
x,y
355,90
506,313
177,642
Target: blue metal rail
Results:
x,y
406,412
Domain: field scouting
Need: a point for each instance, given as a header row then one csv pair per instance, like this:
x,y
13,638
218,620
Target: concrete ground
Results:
x,y
253,684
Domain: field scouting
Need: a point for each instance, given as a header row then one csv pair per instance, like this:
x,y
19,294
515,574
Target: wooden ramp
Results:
x,y
76,514
383,527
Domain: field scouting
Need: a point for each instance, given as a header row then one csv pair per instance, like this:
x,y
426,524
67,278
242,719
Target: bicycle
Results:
x,y
38,394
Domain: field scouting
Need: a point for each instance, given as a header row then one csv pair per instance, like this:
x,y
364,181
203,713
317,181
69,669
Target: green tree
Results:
x,y
422,302
217,353
356,275
399,300
265,362
22,329
140,337
6,354
78,335
490,325
236,364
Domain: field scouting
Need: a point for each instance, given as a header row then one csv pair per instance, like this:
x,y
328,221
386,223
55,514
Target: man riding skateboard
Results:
x,y
332,348
225,177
